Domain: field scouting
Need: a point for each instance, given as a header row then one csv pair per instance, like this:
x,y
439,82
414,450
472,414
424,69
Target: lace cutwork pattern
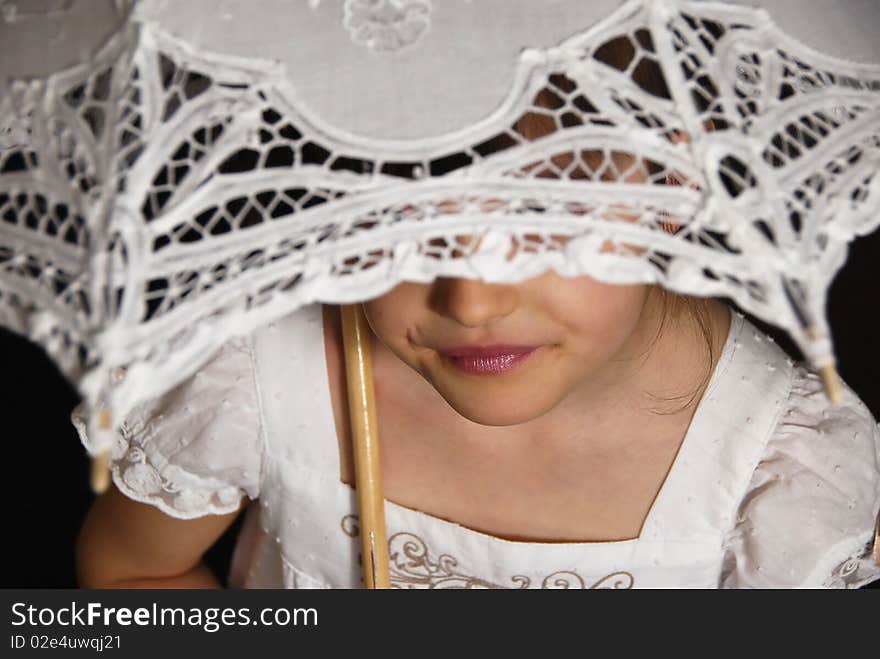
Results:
x,y
412,567
158,200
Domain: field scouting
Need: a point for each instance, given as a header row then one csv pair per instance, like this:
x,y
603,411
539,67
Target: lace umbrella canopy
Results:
x,y
173,174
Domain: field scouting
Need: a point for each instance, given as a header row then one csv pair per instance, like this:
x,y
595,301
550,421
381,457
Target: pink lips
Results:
x,y
488,360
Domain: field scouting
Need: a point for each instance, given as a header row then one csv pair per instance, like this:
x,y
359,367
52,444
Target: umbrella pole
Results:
x,y
365,438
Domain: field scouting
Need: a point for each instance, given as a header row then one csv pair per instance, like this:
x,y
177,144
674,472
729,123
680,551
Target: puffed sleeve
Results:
x,y
197,449
808,517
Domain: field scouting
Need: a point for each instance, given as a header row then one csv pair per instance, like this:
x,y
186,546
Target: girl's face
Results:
x,y
590,337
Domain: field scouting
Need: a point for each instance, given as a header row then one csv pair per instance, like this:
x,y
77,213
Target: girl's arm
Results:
x,y
127,544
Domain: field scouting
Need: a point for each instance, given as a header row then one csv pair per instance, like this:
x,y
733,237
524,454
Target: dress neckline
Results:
x,y
700,423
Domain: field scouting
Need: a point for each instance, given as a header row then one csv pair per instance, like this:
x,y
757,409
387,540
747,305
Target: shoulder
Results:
x,y
197,449
807,516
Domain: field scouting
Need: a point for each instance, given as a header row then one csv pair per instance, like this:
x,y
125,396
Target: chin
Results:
x,y
489,410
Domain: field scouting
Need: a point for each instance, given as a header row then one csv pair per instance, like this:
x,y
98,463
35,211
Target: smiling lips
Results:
x,y
487,360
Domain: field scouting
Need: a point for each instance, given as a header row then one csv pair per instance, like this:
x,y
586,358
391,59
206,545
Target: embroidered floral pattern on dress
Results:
x,y
854,572
411,567
171,489
387,25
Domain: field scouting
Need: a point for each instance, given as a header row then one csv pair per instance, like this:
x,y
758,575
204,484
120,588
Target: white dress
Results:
x,y
772,486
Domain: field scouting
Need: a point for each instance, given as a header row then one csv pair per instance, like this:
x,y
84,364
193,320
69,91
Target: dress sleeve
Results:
x,y
808,516
198,449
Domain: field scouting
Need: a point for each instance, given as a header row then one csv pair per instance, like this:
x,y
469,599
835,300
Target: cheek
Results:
x,y
600,316
381,320
393,315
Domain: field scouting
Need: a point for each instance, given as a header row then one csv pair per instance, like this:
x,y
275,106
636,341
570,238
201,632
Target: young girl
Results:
x,y
624,437
558,432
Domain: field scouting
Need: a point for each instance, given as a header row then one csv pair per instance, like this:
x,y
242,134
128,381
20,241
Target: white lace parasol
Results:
x,y
173,174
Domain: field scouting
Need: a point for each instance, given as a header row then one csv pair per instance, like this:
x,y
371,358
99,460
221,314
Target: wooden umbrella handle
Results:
x,y
365,437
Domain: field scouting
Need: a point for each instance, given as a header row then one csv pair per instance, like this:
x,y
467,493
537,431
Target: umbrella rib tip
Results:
x,y
832,384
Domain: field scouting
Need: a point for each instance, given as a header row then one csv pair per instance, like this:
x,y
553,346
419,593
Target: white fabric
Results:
x,y
771,487
188,182
187,452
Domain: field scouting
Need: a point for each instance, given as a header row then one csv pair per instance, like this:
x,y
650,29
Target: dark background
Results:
x,y
45,468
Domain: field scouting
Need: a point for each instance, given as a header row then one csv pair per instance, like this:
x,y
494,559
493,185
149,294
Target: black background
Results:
x,y
45,468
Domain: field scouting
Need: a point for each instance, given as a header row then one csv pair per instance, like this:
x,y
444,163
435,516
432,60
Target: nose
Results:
x,y
470,302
